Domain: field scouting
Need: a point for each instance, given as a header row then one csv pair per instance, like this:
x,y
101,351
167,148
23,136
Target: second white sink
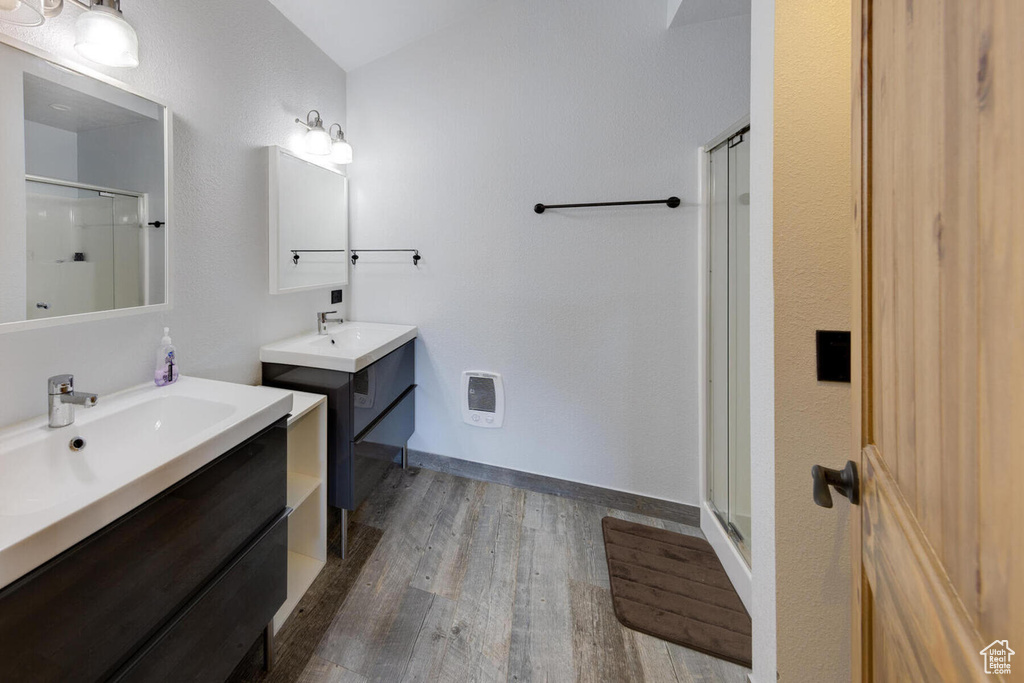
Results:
x,y
348,346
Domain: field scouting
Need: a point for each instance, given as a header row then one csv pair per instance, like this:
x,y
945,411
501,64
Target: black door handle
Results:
x,y
844,481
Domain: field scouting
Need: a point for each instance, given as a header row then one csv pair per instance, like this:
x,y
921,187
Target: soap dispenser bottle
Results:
x,y
166,361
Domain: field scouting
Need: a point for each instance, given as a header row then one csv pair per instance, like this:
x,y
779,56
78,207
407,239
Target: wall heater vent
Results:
x,y
483,399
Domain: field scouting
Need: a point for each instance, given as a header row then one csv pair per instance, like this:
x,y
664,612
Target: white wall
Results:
x,y
50,152
236,74
682,12
591,315
762,340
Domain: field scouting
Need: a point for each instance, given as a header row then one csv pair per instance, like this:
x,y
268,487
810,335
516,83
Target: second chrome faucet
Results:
x,y
322,320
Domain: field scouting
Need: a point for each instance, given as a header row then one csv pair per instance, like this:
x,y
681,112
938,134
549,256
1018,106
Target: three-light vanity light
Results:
x,y
101,33
323,142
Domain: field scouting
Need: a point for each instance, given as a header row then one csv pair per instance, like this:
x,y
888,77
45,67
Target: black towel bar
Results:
x,y
296,252
671,202
415,254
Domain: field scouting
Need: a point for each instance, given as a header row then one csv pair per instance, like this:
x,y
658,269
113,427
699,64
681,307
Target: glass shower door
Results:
x,y
129,252
85,250
718,384
739,341
728,471
70,253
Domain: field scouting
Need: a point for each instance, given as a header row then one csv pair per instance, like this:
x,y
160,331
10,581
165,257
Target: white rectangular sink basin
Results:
x,y
130,447
348,346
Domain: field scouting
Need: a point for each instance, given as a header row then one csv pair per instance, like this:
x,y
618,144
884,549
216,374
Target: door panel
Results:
x,y
921,616
1001,319
938,335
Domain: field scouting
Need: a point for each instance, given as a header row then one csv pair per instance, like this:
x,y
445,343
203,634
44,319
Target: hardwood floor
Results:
x,y
450,579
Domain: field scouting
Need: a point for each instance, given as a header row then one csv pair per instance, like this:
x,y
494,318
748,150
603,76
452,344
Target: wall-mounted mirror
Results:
x,y
83,195
308,223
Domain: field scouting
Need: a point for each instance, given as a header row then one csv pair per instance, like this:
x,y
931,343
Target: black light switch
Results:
x,y
833,356
336,296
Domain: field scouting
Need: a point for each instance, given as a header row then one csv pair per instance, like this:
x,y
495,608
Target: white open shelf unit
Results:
x,y
307,497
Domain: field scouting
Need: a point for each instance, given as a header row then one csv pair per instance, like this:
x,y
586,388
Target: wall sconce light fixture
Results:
x,y
29,12
103,36
101,33
341,152
317,141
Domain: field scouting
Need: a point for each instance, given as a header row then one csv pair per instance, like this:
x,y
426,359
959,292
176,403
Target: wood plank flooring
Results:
x,y
451,579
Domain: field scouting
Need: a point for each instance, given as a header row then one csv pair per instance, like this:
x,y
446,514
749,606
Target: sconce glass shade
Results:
x,y
22,12
103,36
342,152
318,141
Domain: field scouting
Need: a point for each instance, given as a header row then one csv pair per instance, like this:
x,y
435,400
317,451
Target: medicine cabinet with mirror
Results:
x,y
84,195
308,223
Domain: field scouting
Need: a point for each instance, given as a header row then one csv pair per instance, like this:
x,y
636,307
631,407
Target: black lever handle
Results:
x,y
844,481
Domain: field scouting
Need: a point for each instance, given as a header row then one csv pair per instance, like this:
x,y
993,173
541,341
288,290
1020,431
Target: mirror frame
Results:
x,y
81,69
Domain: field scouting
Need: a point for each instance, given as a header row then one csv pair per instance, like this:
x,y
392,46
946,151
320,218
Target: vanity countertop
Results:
x,y
347,346
137,443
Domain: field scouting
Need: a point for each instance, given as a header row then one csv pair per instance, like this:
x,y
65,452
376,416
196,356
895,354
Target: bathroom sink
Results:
x,y
46,470
348,346
58,486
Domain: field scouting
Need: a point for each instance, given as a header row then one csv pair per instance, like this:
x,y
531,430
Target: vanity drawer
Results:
x,y
354,402
208,638
376,386
83,614
374,451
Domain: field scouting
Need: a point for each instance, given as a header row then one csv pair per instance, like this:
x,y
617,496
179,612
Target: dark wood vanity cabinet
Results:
x,y
371,414
175,590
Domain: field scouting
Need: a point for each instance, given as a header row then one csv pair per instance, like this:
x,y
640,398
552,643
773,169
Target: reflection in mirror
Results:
x,y
83,182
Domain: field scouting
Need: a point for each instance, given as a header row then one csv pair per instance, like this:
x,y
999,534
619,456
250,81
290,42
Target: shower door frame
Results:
x,y
718,535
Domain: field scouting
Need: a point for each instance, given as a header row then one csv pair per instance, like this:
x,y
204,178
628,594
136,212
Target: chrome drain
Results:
x,y
77,444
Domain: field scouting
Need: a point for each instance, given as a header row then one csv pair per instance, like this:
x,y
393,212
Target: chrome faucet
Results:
x,y
322,320
64,398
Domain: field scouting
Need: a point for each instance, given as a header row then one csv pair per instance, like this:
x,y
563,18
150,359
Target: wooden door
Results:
x,y
938,334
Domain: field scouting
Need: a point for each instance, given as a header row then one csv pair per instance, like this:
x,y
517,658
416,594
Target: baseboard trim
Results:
x,y
629,502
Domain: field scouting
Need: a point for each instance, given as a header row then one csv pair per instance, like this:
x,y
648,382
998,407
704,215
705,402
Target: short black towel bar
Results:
x,y
415,254
296,252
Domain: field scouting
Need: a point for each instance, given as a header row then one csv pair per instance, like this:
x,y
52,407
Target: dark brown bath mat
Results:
x,y
673,587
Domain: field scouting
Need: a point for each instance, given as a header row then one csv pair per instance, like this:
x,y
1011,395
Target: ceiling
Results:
x,y
76,111
355,32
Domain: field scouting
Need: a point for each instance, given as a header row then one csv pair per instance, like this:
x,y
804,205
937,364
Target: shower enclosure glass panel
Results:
x,y
85,250
718,386
729,343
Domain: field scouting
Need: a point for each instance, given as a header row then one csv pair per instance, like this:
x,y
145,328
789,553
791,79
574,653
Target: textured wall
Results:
x,y
235,73
762,340
812,291
50,151
591,315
